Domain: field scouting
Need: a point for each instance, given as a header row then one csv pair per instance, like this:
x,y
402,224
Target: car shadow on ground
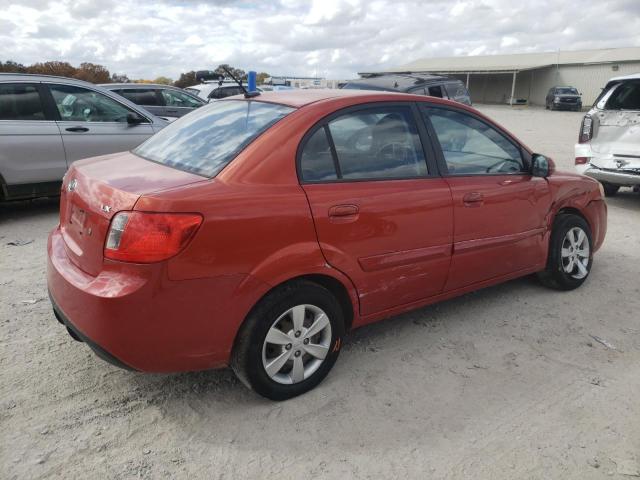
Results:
x,y
626,199
222,387
26,209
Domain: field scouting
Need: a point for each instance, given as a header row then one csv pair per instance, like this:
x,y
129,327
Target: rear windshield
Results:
x,y
207,139
625,97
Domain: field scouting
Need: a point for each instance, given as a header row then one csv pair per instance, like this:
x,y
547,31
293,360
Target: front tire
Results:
x,y
570,253
290,341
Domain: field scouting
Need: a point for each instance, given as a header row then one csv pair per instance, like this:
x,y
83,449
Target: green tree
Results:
x,y
261,77
163,80
186,80
90,72
12,67
61,69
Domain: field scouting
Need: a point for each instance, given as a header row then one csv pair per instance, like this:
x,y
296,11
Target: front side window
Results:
x,y
20,102
77,104
207,139
472,147
174,98
374,143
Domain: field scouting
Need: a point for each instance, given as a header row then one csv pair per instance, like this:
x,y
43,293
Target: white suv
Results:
x,y
608,147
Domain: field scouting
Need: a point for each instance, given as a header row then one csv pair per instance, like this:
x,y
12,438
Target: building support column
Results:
x,y
513,88
467,81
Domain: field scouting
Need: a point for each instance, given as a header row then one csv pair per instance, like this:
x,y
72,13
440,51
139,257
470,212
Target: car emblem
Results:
x,y
105,208
72,185
621,163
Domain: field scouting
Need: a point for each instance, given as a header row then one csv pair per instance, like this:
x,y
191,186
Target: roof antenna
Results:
x,y
247,93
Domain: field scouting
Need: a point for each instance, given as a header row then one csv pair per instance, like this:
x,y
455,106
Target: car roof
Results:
x,y
633,76
301,97
137,85
401,82
32,77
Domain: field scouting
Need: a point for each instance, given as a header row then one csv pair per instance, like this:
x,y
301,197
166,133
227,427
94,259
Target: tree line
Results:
x,y
91,72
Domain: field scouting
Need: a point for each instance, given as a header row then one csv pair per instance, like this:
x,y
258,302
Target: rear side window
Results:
x,y
435,91
471,147
375,143
458,92
20,102
625,97
316,160
207,139
141,96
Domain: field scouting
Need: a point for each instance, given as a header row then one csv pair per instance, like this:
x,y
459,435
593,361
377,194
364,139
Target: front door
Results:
x,y
31,148
381,218
93,124
499,207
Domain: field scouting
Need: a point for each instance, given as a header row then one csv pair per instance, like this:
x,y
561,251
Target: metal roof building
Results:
x,y
527,77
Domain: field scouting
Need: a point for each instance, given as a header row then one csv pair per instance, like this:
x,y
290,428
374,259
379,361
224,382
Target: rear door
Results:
x,y
31,148
499,207
382,216
92,123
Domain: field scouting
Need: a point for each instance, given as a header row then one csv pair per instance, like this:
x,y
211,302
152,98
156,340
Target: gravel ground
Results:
x,y
507,382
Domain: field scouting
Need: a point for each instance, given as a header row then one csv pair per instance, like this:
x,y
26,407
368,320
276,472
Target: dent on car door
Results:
x,y
380,217
31,146
92,123
499,207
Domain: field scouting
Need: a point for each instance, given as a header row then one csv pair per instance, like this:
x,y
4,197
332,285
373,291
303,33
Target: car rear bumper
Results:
x,y
137,318
605,168
614,177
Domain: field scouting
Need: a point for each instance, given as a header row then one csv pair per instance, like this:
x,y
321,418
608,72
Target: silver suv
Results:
x,y
48,122
608,147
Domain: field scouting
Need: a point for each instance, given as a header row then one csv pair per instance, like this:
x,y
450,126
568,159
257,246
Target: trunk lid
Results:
x,y
94,190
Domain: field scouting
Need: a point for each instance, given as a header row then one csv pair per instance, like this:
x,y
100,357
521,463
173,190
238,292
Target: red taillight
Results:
x,y
582,160
586,129
144,237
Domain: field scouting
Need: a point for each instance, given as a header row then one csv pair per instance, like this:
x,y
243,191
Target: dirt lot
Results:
x,y
507,382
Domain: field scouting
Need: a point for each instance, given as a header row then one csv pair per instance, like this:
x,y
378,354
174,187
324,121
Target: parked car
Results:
x,y
164,101
215,90
298,216
559,98
416,83
608,147
48,122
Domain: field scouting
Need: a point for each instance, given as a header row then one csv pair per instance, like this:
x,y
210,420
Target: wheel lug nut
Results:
x,y
306,341
298,333
297,353
288,346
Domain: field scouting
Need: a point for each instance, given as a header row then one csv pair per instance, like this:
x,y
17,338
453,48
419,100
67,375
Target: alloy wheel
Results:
x,y
296,344
575,253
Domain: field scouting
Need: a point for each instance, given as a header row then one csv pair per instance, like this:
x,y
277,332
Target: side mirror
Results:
x,y
541,166
134,119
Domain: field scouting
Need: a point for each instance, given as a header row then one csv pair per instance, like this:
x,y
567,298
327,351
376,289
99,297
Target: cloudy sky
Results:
x,y
330,38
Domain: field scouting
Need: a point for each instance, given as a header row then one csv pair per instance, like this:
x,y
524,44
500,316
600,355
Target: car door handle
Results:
x,y
343,211
473,199
77,129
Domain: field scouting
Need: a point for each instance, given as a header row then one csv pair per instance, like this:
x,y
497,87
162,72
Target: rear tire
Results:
x,y
610,190
278,349
570,253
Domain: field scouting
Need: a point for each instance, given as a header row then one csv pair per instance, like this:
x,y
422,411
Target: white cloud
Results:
x,y
334,38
